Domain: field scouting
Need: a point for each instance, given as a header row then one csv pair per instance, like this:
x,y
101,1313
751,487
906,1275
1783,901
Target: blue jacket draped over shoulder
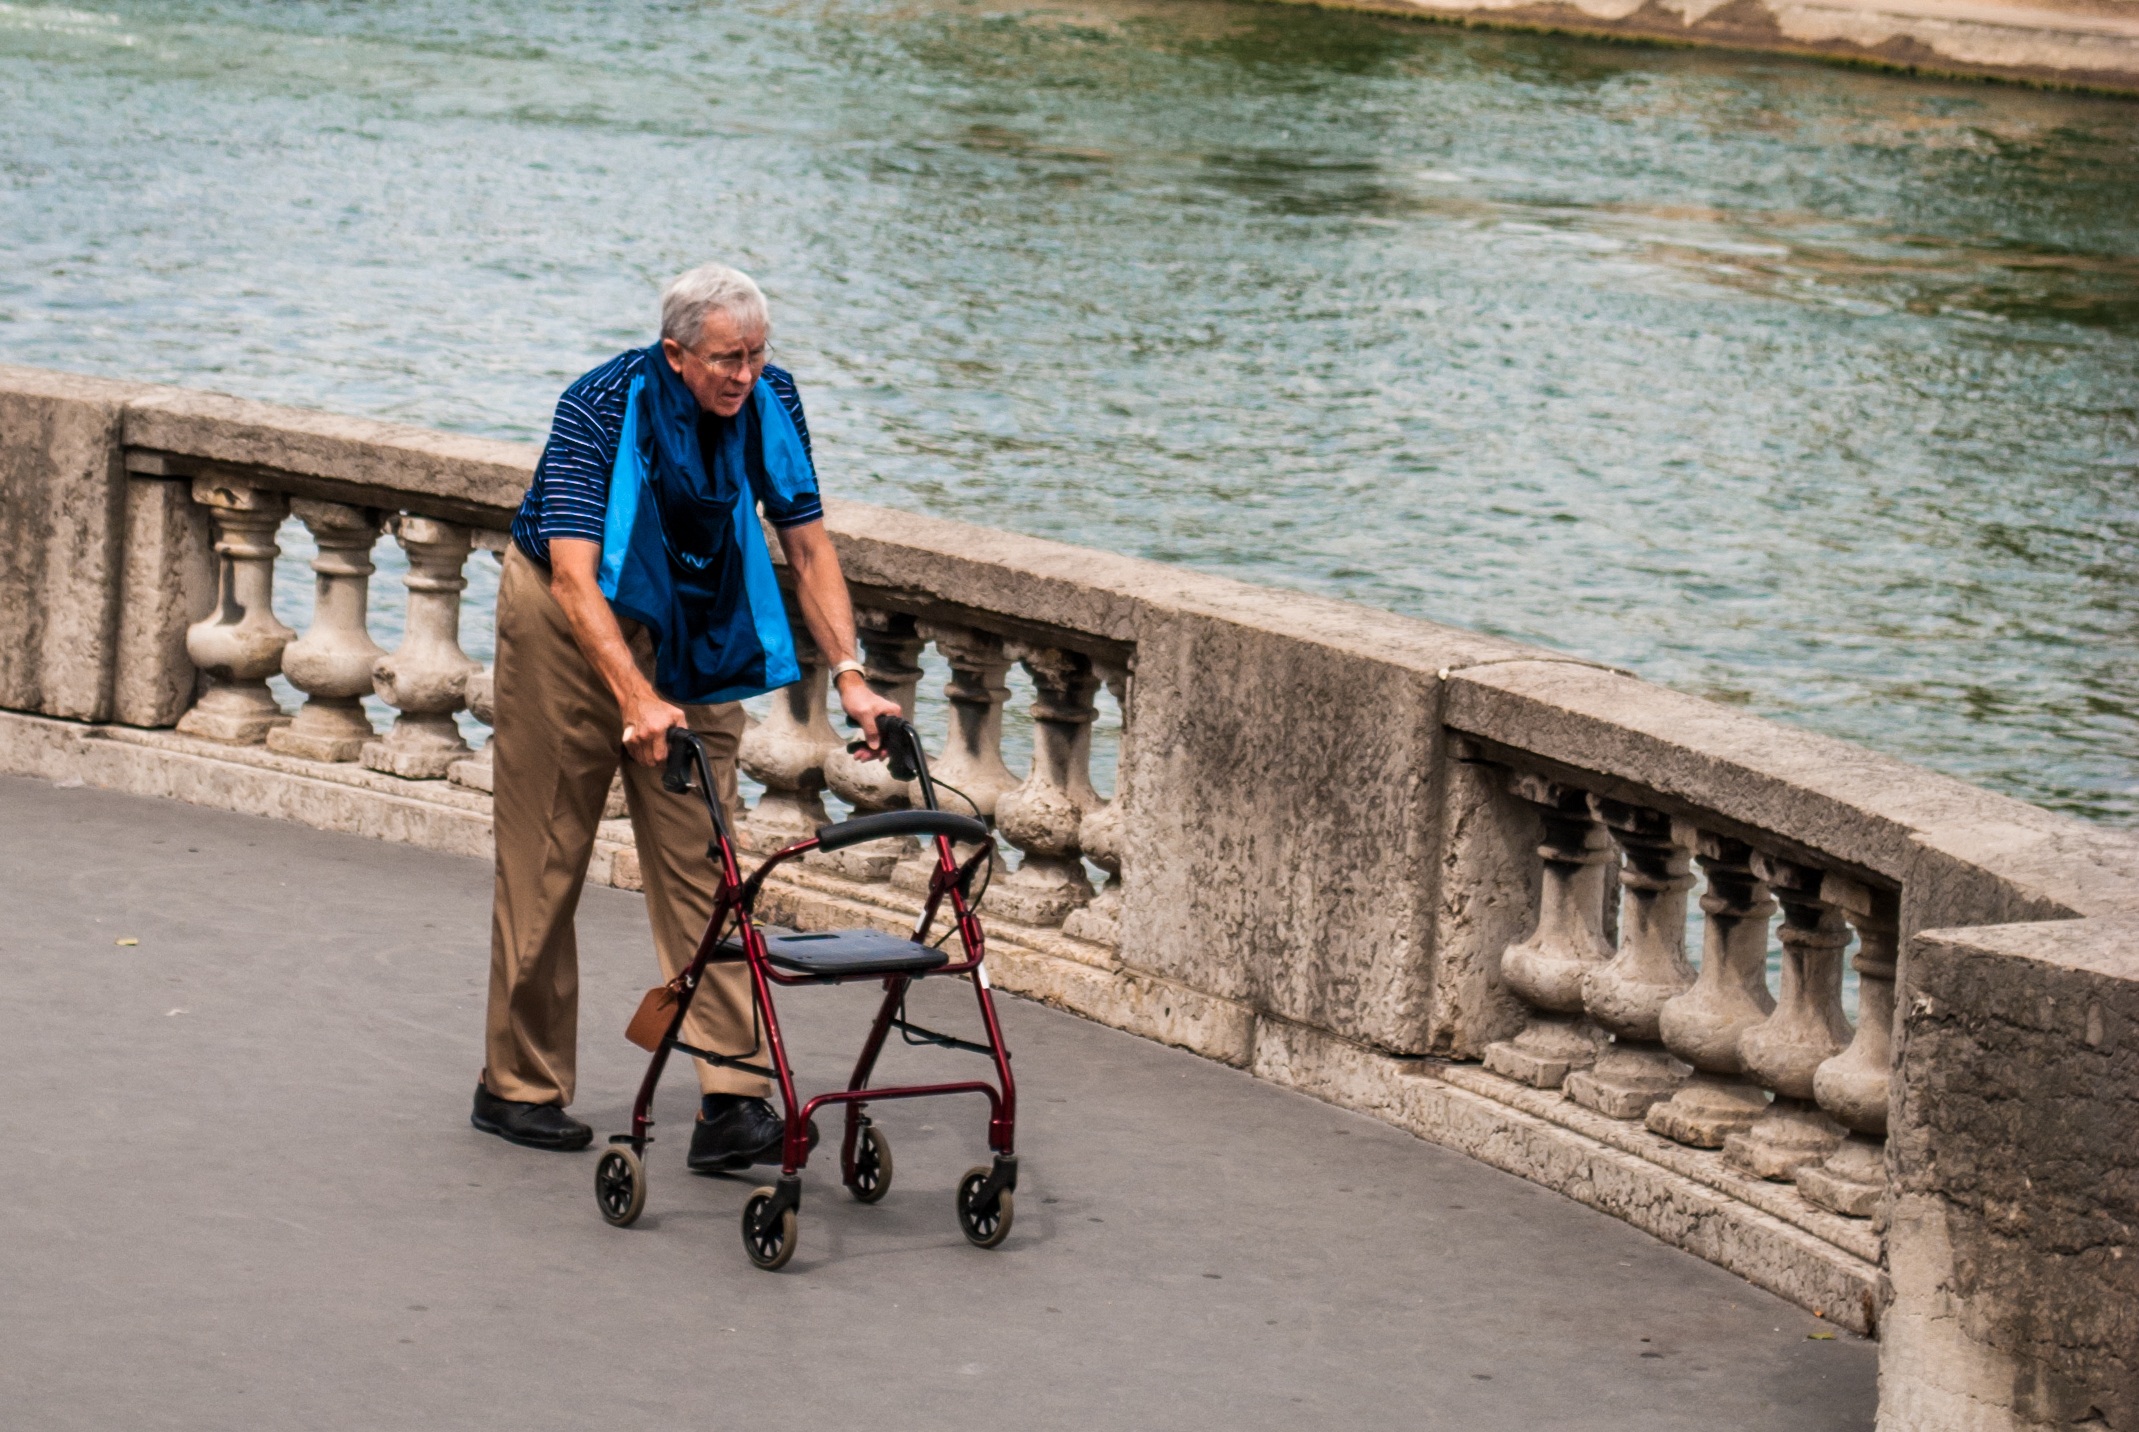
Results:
x,y
683,553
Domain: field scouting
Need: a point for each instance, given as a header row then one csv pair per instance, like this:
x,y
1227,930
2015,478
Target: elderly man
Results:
x,y
638,596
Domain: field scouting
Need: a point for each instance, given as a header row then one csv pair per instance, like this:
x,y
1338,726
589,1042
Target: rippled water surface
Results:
x,y
1804,388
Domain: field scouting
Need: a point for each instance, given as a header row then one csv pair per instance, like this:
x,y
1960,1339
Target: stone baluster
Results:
x,y
479,771
331,663
1546,969
239,645
972,756
1730,996
1806,1029
426,677
891,650
1043,815
786,752
1852,1086
1100,835
1627,994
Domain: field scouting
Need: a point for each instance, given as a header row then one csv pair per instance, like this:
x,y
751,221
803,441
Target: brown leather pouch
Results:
x,y
650,1025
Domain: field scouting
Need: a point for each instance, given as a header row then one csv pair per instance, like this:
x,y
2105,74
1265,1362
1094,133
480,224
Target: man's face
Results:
x,y
723,366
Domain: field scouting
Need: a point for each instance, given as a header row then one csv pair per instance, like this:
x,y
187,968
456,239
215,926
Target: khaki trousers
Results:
x,y
557,742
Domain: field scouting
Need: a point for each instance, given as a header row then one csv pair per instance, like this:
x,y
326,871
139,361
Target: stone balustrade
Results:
x,y
1589,930
428,681
1712,1058
431,686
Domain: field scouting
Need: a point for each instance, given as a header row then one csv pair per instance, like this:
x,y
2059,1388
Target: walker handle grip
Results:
x,y
961,828
683,753
901,742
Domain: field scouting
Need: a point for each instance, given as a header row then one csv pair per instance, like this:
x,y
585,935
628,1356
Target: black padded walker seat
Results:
x,y
838,954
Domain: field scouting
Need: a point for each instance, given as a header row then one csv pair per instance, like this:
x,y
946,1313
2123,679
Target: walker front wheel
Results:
x,y
620,1185
771,1246
988,1224
872,1165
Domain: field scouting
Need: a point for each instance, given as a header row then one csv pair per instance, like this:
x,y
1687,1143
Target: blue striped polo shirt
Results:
x,y
570,494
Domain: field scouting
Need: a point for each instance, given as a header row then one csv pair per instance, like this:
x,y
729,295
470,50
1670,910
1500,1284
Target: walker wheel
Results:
x,y
620,1185
772,1248
988,1226
872,1165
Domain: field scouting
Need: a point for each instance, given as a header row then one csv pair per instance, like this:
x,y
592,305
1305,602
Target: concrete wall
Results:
x,y
2016,1149
1317,836
2083,43
63,521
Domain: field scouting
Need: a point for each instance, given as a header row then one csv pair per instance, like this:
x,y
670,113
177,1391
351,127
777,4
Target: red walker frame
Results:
x,y
984,1201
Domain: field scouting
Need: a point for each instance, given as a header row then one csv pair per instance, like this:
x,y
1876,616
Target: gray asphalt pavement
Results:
x,y
241,1192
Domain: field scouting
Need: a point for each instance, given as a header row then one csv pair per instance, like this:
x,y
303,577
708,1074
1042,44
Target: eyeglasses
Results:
x,y
736,361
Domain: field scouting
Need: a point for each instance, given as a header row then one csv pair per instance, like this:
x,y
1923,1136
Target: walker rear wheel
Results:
x,y
872,1165
988,1225
620,1185
772,1246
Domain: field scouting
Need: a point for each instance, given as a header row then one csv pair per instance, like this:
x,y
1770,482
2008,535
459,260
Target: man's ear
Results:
x,y
673,351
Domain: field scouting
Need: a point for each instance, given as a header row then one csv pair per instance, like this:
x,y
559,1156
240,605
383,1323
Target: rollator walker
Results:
x,y
784,957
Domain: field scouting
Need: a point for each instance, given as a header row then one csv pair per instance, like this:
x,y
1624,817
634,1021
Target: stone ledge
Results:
x,y
479,473
1420,1097
1854,1236
2045,42
1457,1106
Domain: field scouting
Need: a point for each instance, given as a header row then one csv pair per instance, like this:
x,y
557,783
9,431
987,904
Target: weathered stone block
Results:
x,y
2013,1243
1626,1083
167,584
1280,845
1853,1180
1707,1111
1484,899
1545,1053
63,512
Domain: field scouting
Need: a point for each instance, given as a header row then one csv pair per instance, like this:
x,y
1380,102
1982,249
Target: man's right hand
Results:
x,y
647,723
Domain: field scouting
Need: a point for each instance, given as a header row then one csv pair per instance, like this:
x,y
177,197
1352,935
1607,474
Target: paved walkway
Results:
x,y
242,1192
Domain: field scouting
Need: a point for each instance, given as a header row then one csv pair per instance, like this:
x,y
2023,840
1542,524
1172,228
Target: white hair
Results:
x,y
691,298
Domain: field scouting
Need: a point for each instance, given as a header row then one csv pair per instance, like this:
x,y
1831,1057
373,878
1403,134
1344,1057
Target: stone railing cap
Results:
x,y
82,387
392,458
1857,806
2106,946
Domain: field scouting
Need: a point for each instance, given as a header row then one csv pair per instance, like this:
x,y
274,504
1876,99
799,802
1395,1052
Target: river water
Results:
x,y
1809,389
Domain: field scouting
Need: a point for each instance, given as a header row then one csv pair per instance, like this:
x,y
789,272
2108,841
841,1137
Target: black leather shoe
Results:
x,y
536,1126
734,1131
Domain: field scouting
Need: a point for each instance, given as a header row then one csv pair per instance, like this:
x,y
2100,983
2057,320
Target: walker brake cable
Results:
x,y
987,868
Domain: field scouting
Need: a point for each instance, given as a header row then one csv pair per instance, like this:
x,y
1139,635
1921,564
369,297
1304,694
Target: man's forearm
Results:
x,y
647,714
821,592
600,639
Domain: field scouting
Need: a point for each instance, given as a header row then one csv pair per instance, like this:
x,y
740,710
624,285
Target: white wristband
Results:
x,y
844,667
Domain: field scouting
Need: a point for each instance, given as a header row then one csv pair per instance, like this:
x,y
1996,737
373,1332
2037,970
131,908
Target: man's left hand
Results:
x,y
863,706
